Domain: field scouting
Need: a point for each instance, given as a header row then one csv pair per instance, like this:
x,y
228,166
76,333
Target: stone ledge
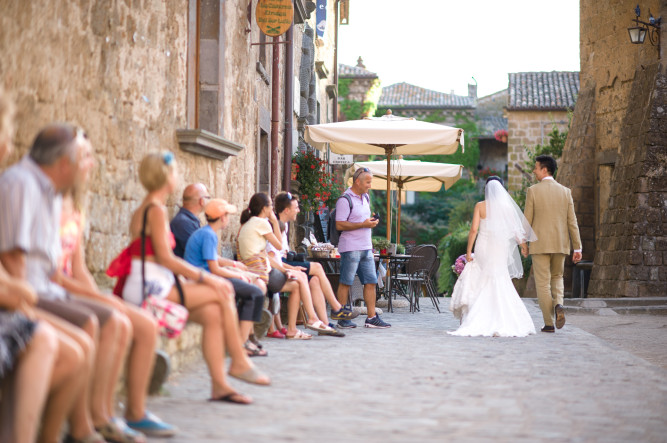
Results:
x,y
207,144
184,349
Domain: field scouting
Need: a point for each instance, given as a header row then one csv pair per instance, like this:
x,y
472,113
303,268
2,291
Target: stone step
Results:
x,y
619,310
615,302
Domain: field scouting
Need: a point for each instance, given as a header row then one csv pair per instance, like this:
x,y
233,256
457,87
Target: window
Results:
x,y
205,93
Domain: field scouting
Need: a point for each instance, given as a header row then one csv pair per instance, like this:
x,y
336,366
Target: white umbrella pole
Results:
x,y
398,219
387,151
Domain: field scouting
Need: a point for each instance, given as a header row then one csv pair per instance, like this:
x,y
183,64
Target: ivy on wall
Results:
x,y
354,109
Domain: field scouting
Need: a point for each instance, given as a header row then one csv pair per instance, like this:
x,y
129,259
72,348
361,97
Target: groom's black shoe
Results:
x,y
560,316
548,329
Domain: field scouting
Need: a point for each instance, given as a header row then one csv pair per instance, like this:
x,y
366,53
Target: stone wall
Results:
x,y
632,248
358,88
614,158
447,117
576,166
119,69
525,130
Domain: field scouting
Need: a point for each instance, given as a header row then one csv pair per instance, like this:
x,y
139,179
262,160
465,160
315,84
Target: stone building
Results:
x,y
355,83
536,101
615,157
179,75
489,118
408,100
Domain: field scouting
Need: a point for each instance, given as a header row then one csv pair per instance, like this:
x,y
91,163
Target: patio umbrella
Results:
x,y
387,135
411,175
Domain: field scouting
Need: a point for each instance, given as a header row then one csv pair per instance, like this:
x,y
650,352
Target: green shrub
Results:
x,y
451,246
463,211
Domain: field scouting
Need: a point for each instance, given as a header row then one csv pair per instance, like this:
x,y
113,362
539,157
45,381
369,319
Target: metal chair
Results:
x,y
431,283
418,270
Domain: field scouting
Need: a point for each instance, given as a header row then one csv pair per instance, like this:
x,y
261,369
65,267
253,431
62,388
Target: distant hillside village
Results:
x,y
506,122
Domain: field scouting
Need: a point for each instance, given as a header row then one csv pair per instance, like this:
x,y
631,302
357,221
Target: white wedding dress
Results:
x,y
484,297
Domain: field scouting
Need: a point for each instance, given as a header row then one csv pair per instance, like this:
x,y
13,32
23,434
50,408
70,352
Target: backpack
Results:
x,y
334,234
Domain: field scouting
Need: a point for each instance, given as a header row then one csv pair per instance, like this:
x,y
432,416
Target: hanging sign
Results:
x,y
321,17
274,17
340,159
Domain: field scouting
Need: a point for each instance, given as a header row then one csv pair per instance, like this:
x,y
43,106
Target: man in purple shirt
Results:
x,y
355,247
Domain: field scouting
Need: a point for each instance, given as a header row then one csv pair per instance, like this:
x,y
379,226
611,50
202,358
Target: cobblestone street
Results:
x,y
415,383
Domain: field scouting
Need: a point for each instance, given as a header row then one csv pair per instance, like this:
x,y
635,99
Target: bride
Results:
x,y
484,298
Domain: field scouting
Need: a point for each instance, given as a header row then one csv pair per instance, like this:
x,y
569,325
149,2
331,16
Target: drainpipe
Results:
x,y
289,108
335,67
275,115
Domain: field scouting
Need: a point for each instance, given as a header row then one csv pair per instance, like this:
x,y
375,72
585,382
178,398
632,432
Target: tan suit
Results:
x,y
550,212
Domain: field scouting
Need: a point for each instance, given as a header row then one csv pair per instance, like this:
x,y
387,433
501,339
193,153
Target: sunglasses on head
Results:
x,y
289,195
168,158
358,172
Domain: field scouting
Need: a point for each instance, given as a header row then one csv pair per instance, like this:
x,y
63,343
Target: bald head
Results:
x,y
195,197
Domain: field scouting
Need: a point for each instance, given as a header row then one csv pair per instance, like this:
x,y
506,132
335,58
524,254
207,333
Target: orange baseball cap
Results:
x,y
217,207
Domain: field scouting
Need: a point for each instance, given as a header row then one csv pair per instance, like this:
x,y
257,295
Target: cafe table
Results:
x,y
395,263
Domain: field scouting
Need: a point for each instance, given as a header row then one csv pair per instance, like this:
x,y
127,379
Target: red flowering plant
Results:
x,y
488,172
317,187
501,135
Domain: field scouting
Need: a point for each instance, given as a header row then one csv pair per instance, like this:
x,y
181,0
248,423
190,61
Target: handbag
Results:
x,y
171,317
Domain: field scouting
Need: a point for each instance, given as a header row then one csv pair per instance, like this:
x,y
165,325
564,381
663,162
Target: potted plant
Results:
x,y
501,135
381,244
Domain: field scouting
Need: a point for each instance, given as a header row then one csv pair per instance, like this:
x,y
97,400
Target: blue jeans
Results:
x,y
361,263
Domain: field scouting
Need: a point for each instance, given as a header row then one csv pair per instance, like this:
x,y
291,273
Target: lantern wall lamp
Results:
x,y
641,28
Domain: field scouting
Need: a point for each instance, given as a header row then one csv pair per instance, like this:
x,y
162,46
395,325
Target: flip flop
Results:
x,y
318,326
254,351
299,336
251,375
234,397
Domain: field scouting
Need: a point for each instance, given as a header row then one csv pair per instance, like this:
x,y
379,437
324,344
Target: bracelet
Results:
x,y
201,277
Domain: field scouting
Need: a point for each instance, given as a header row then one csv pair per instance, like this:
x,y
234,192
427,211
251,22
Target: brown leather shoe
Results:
x,y
560,316
550,329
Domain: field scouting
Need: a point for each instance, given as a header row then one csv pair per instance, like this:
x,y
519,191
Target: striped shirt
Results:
x,y
29,221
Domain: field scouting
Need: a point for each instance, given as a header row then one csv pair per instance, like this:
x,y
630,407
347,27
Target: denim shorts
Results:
x,y
361,263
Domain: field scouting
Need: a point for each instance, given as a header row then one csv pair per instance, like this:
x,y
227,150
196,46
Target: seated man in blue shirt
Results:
x,y
201,250
186,221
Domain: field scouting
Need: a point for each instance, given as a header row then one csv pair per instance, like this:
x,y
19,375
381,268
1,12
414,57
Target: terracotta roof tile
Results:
x,y
487,126
556,90
405,95
354,71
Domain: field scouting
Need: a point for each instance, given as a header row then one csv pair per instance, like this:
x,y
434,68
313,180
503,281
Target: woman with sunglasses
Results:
x,y
260,227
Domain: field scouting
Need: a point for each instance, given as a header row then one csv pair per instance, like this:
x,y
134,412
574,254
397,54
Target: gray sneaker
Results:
x,y
346,324
376,322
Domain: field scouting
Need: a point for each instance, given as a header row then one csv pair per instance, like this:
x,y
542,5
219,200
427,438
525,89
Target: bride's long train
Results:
x,y
484,297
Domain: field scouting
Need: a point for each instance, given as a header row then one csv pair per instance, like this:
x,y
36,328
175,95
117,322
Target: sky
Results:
x,y
443,44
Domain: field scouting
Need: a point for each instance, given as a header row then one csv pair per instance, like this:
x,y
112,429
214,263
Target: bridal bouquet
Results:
x,y
459,264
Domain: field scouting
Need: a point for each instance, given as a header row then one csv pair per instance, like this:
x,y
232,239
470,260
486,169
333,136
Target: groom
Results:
x,y
550,212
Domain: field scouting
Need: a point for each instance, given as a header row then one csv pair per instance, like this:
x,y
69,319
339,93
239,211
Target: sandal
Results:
x,y
117,430
252,375
256,342
254,351
299,336
318,326
233,397
275,334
